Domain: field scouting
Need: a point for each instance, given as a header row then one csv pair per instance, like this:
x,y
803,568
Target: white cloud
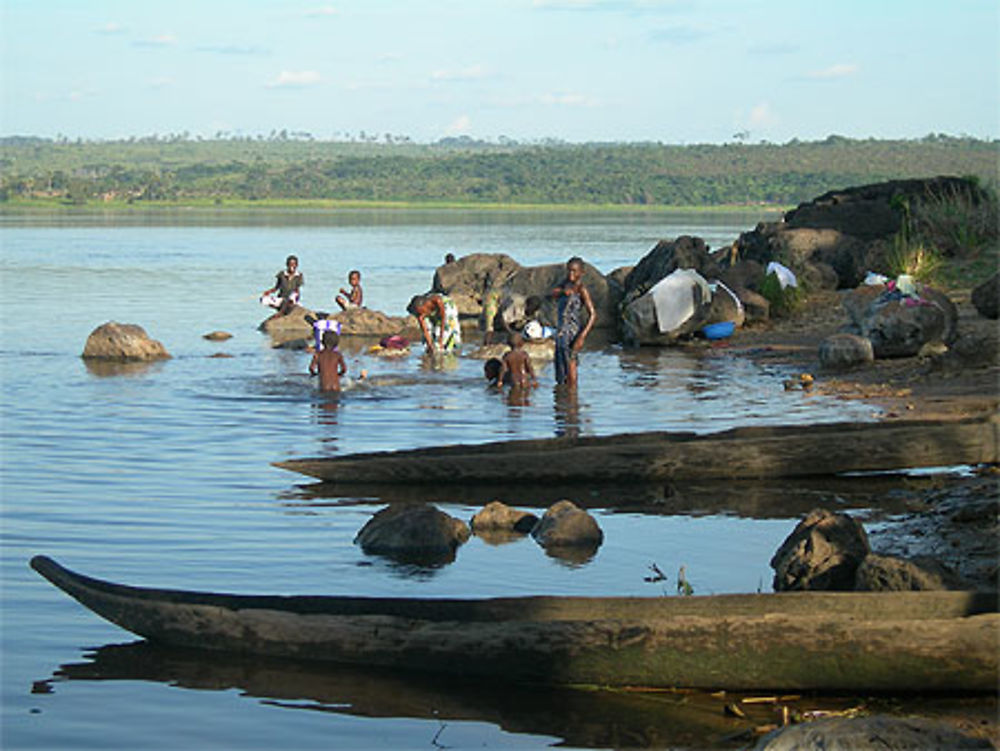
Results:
x,y
840,70
326,10
161,82
295,78
160,40
458,126
568,100
111,28
471,73
761,116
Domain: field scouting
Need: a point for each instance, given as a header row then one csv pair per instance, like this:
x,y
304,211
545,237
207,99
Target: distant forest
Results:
x,y
283,167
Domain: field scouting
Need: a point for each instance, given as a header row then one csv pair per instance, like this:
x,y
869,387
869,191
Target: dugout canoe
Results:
x,y
739,453
899,641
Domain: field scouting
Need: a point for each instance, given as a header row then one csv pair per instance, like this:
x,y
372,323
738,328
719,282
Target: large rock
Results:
x,y
985,297
686,252
288,326
564,524
413,533
676,306
886,573
897,328
823,552
873,733
539,281
467,279
122,342
845,351
368,322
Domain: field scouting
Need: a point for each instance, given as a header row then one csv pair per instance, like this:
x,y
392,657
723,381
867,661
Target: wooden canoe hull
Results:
x,y
745,453
800,641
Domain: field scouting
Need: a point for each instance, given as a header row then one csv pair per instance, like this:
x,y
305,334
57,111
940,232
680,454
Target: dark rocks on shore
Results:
x,y
122,342
686,252
986,297
850,230
538,281
419,534
873,733
823,552
290,325
886,573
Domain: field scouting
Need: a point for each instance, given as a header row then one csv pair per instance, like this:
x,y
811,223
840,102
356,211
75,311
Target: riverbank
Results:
x,y
61,207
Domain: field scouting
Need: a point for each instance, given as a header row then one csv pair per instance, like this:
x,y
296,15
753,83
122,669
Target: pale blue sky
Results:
x,y
676,71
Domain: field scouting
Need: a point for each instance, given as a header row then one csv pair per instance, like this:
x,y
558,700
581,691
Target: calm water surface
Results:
x,y
162,476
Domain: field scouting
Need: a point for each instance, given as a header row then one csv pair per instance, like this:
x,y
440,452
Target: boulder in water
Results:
x,y
122,342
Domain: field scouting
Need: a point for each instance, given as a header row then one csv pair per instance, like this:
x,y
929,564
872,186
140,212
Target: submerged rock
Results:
x,y
823,552
496,515
564,524
217,336
413,533
122,342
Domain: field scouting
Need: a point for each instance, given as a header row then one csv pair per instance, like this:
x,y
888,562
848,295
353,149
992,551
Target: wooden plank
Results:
x,y
746,453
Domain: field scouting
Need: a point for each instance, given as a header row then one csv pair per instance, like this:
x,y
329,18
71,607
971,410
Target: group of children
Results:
x,y
285,293
439,324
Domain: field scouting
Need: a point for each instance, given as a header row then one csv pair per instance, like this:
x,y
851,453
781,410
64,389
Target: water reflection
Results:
x,y
580,718
115,368
566,411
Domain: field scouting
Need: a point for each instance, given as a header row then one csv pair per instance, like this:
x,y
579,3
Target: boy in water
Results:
x,y
351,298
573,302
329,363
517,364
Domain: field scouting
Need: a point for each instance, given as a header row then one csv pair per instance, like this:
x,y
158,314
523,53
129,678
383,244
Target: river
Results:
x,y
163,476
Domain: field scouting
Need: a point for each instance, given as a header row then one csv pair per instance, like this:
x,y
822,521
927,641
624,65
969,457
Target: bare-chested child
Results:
x,y
353,297
329,363
517,363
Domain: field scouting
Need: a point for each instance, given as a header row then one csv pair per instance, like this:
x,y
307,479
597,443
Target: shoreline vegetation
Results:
x,y
295,171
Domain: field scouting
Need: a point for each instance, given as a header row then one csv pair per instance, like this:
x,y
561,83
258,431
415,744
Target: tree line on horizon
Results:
x,y
463,170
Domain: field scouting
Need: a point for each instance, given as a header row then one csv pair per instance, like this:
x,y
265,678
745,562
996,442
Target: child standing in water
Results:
x,y
517,365
571,332
329,363
351,298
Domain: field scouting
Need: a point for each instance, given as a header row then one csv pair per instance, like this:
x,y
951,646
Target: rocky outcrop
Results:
x,y
467,279
413,533
985,297
122,342
217,336
849,231
872,733
823,552
886,573
897,328
564,524
845,351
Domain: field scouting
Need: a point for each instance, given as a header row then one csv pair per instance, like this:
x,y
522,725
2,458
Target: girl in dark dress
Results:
x,y
571,332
